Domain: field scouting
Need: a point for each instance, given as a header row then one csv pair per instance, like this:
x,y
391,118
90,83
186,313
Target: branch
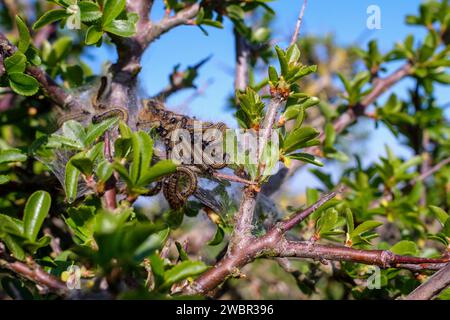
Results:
x,y
381,85
180,80
182,17
431,170
433,286
33,272
301,215
242,58
299,23
51,89
381,258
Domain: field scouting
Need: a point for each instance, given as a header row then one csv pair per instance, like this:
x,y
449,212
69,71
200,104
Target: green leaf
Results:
x,y
24,35
365,226
327,221
153,242
142,146
84,165
446,229
218,237
330,135
98,129
273,75
405,247
36,209
13,245
16,63
23,84
104,170
440,214
350,221
157,264
123,28
12,155
299,138
123,173
4,179
282,59
160,169
50,17
181,252
293,54
182,271
90,11
93,35
235,12
71,177
111,10
306,157
11,225
74,131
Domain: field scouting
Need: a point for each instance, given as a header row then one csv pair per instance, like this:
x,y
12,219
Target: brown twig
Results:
x,y
301,215
424,175
32,272
433,286
242,58
299,23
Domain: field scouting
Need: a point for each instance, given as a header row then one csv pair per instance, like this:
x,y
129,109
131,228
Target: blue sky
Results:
x,y
346,19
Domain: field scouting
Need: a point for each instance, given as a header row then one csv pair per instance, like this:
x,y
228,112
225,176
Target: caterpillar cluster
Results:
x,y
179,186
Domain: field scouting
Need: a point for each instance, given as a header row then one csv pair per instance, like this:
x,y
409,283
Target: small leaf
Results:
x,y
123,28
36,209
49,17
218,237
160,169
24,35
16,63
306,157
283,61
93,35
4,179
405,247
299,138
273,75
142,146
23,84
13,245
90,11
84,165
111,10
350,221
98,129
365,226
71,177
104,170
12,155
182,271
74,131
181,252
440,214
